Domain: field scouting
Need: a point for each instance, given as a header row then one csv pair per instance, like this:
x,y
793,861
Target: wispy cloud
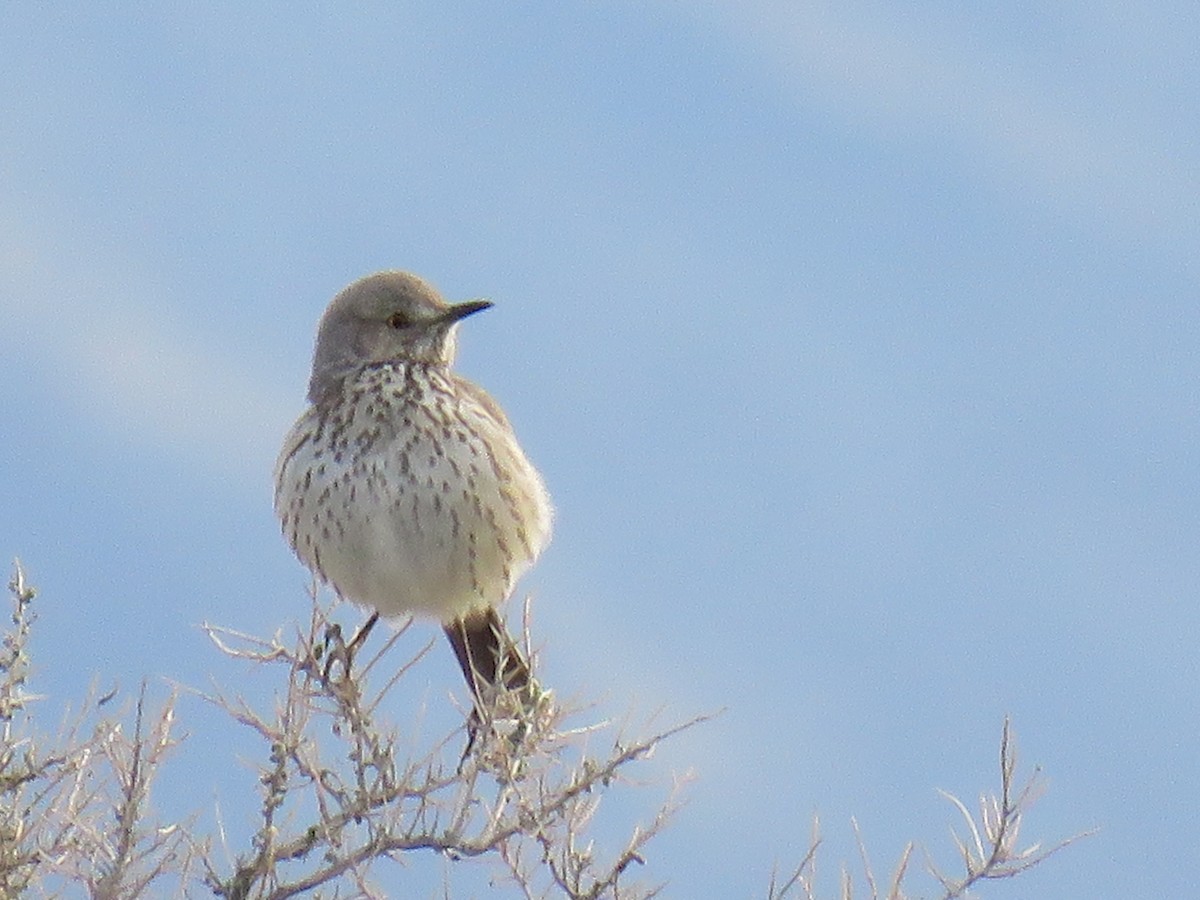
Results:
x,y
1026,131
87,325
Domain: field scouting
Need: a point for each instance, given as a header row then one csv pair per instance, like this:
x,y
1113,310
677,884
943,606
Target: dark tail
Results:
x,y
488,656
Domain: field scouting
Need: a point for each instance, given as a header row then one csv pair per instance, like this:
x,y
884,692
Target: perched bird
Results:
x,y
402,484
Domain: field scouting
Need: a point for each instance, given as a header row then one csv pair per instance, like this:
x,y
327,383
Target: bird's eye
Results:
x,y
398,320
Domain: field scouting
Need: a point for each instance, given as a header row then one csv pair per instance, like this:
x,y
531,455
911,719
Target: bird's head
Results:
x,y
385,317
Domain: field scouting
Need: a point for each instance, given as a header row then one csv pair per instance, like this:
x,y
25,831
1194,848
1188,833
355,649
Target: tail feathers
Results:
x,y
488,656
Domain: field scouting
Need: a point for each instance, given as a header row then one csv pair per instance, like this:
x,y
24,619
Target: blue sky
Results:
x,y
857,343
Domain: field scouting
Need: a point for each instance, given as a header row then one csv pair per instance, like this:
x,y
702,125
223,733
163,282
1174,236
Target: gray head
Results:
x,y
388,316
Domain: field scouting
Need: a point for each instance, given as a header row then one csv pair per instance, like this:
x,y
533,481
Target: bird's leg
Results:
x,y
361,635
474,724
336,647
333,649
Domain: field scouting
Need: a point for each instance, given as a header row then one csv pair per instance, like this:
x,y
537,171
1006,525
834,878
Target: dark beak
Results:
x,y
462,310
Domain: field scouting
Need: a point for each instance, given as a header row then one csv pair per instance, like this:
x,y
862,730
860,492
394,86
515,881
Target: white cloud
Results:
x,y
1027,131
87,324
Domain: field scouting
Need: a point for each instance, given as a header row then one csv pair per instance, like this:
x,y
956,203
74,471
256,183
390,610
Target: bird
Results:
x,y
402,484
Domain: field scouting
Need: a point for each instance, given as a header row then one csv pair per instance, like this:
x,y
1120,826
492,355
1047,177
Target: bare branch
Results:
x,y
992,852
339,802
355,802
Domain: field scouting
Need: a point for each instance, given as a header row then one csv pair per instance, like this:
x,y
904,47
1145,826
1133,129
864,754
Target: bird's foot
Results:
x,y
335,649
